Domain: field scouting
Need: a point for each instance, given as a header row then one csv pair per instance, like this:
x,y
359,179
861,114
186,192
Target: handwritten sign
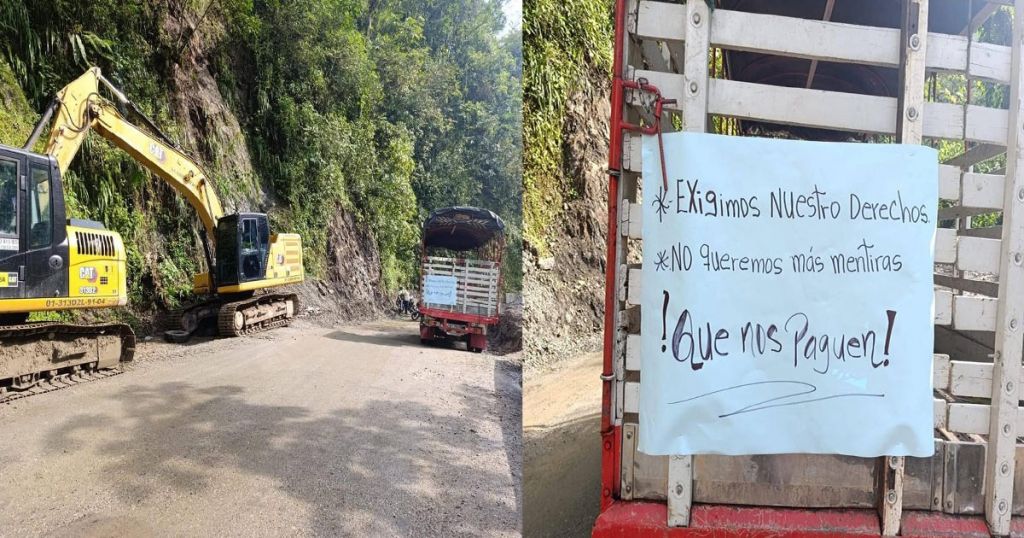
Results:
x,y
787,297
439,289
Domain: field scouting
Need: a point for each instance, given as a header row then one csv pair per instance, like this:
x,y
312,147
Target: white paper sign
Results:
x,y
787,297
439,289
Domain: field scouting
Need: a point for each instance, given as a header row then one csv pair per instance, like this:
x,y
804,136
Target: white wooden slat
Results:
x,y
1004,425
945,245
634,284
621,282
990,61
695,73
805,38
987,125
833,110
943,307
633,360
800,106
940,371
631,397
463,261
939,413
971,379
949,182
824,40
697,24
634,148
978,254
624,216
983,191
909,131
974,418
973,313
661,21
946,120
946,52
636,221
470,270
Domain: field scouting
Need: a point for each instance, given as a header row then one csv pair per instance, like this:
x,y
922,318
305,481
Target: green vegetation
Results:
x,y
384,108
565,43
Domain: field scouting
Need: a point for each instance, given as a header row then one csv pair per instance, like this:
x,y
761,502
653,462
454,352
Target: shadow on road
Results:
x,y
387,467
510,410
393,339
562,478
396,339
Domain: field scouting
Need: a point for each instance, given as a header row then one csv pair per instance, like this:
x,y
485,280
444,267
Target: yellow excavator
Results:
x,y
49,262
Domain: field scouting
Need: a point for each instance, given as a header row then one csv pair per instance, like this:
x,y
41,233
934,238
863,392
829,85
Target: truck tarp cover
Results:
x,y
461,228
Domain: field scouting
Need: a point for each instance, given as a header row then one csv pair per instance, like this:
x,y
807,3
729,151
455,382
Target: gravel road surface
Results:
x,y
301,431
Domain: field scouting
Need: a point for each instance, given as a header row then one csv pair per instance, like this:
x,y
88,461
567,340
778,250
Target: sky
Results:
x,y
513,14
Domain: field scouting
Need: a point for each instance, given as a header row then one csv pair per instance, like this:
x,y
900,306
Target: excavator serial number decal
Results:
x,y
71,303
87,290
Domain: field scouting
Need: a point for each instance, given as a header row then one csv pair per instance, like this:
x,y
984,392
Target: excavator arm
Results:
x,y
79,108
241,253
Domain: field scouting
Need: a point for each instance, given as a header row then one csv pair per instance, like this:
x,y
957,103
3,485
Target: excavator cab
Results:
x,y
243,248
33,251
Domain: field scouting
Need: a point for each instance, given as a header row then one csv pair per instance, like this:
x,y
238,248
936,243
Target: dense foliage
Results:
x,y
564,42
386,108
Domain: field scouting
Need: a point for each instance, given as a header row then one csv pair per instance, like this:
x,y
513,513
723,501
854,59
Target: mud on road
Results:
x,y
302,431
562,448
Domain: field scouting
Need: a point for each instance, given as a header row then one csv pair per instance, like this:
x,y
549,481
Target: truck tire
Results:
x,y
176,336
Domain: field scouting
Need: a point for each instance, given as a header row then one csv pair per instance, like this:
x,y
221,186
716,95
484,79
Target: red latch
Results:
x,y
655,128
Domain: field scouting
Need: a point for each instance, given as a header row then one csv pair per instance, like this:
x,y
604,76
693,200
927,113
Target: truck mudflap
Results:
x,y
474,335
623,519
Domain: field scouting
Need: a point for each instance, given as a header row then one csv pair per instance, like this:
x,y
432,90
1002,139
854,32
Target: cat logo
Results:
x,y
87,274
157,151
11,280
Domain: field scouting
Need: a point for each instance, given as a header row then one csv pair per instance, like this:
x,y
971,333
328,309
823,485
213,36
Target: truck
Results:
x,y
832,71
460,275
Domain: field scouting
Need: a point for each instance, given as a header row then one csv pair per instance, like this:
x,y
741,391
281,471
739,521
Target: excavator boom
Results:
x,y
80,108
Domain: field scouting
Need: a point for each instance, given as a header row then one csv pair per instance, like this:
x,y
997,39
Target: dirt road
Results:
x,y
353,431
562,447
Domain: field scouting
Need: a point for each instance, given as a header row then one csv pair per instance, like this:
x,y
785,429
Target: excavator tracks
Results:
x,y
256,314
36,358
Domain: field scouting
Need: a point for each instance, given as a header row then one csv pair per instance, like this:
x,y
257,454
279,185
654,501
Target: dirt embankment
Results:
x,y
564,292
352,289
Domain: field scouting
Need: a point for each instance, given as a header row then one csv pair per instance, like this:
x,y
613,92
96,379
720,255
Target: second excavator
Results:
x,y
50,262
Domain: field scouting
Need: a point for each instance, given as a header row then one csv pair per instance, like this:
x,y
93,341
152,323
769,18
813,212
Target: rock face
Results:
x,y
210,127
351,287
564,294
